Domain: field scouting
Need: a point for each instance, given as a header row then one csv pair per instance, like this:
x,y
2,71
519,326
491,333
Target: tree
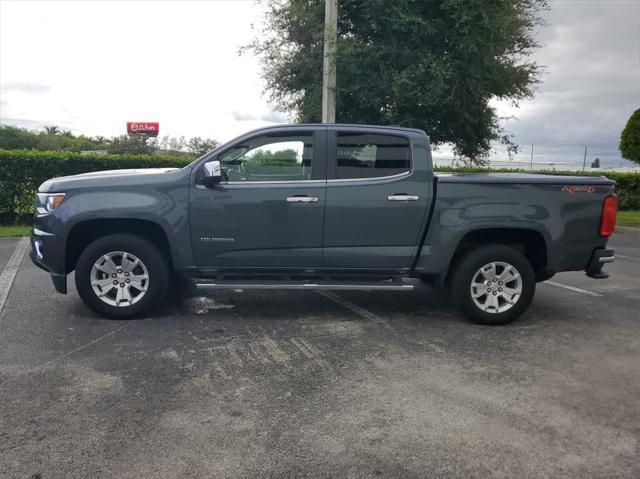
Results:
x,y
199,146
426,64
286,157
52,130
14,138
52,138
630,138
137,144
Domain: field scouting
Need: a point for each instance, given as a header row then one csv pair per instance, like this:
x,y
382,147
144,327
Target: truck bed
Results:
x,y
562,211
521,178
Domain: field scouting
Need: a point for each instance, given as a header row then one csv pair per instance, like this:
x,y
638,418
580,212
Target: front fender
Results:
x,y
166,207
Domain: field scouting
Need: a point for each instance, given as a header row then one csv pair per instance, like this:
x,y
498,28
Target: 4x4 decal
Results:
x,y
578,189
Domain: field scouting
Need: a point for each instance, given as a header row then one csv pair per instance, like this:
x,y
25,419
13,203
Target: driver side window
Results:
x,y
269,158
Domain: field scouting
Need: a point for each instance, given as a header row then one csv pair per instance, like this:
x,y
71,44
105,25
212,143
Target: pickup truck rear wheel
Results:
x,y
121,276
493,284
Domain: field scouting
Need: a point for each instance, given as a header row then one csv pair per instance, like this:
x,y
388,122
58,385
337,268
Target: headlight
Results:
x,y
47,202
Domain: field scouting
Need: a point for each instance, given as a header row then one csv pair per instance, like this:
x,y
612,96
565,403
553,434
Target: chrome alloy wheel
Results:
x,y
496,287
119,279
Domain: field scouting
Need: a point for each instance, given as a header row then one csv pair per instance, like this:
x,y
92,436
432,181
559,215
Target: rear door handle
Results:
x,y
302,199
403,198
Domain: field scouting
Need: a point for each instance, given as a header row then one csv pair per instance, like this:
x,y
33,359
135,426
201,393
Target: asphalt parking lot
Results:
x,y
290,384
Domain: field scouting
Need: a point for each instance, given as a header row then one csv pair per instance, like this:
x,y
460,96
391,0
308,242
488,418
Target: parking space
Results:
x,y
349,384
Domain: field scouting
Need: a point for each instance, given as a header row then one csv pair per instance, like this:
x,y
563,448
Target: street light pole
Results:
x,y
329,61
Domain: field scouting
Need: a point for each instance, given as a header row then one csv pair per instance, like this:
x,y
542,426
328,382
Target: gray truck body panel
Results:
x,y
568,222
351,228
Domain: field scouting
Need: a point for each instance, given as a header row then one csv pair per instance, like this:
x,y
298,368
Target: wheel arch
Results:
x,y
85,232
531,243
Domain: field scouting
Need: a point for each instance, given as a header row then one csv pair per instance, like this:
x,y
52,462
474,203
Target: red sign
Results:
x,y
149,128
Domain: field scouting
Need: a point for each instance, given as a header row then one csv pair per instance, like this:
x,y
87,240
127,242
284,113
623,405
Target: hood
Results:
x,y
105,179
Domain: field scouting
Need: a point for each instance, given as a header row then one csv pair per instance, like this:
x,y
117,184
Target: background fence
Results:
x,y
566,157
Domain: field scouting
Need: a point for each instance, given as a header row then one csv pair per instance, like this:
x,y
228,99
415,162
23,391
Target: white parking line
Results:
x,y
10,270
352,307
79,348
627,257
573,288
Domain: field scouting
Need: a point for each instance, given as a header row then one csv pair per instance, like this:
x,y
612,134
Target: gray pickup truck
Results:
x,y
320,207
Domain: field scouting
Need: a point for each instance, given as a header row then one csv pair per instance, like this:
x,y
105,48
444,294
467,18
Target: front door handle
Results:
x,y
403,198
302,199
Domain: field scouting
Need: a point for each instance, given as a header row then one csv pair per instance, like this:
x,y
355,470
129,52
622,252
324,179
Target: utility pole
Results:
x,y
531,166
329,61
584,161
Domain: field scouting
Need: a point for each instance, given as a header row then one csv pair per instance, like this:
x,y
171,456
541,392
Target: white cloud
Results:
x,y
101,64
26,87
591,84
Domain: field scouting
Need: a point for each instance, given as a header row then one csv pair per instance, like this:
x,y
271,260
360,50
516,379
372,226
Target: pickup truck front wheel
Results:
x,y
493,284
121,276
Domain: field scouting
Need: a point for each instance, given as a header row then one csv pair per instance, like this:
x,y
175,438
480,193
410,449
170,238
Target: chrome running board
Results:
x,y
304,286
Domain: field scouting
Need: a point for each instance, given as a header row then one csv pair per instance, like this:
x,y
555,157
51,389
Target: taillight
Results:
x,y
608,219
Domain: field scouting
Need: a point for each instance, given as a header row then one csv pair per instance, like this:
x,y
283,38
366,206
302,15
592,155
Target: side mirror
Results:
x,y
212,174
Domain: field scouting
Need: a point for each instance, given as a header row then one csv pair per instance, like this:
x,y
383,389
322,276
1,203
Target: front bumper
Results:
x,y
43,255
599,258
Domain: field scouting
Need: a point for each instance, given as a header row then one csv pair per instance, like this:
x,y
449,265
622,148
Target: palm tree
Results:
x,y
52,130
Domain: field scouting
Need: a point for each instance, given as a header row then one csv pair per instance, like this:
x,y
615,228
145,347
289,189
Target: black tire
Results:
x,y
146,252
469,265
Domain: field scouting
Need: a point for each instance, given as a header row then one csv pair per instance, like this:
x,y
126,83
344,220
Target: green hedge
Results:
x,y
22,171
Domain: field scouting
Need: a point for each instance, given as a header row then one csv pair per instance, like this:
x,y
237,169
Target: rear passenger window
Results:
x,y
366,155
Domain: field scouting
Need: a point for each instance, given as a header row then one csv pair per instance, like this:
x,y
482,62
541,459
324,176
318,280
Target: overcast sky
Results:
x,y
91,66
